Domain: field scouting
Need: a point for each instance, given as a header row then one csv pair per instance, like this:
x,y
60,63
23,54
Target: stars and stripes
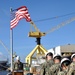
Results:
x,y
19,14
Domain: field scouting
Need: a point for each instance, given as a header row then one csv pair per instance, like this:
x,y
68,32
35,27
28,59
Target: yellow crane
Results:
x,y
37,34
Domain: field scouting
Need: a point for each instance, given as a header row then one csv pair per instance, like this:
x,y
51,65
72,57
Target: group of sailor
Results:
x,y
57,65
54,65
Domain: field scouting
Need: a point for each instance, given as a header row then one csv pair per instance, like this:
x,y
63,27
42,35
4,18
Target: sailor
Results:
x,y
72,66
73,57
54,69
65,62
18,65
46,65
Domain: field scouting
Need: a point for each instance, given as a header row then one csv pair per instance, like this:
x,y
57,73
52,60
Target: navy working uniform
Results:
x,y
18,65
72,66
65,62
54,69
46,65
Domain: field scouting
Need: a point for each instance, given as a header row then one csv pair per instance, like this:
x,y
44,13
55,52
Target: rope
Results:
x,y
5,47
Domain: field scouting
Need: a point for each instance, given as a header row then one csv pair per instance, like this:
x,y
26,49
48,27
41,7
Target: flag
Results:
x,y
18,14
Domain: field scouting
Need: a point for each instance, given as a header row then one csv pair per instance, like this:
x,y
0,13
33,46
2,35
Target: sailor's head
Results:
x,y
57,58
73,57
65,62
18,58
49,55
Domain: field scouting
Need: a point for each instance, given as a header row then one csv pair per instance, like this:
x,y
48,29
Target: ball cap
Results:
x,y
64,59
72,55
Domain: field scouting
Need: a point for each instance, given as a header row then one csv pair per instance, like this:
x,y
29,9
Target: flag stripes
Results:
x,y
20,13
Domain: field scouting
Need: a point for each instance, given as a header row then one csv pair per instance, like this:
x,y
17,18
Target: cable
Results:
x,y
54,17
5,47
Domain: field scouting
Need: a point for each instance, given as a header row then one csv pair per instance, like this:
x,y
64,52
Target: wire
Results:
x,y
54,17
5,47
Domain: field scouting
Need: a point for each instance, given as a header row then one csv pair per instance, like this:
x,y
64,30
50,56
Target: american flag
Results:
x,y
19,14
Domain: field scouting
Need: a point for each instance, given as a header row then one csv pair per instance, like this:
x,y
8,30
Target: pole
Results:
x,y
11,43
11,48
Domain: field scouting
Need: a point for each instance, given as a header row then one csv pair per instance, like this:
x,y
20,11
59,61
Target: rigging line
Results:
x,y
5,47
54,17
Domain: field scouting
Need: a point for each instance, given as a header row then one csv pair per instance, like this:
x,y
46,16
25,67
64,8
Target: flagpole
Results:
x,y
24,12
11,48
11,44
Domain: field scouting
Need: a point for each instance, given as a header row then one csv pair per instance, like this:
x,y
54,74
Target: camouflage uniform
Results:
x,y
65,62
45,67
71,69
18,66
54,69
64,72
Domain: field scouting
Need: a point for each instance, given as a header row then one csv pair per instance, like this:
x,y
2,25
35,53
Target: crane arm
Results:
x,y
60,25
32,23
